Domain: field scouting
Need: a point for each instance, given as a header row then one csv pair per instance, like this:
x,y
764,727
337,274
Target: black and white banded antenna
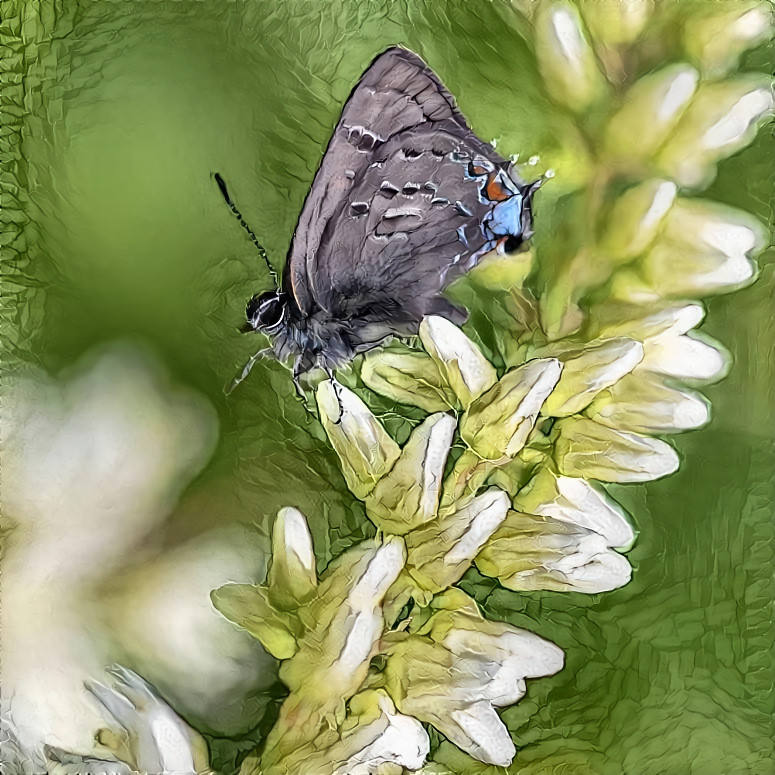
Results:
x,y
251,233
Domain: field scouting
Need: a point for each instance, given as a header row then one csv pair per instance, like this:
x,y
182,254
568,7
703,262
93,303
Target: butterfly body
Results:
x,y
407,199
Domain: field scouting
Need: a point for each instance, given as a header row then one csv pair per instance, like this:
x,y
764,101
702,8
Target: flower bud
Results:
x,y
722,119
616,23
704,248
408,496
685,357
636,218
565,58
577,502
155,738
530,553
408,377
292,578
365,449
643,403
249,607
498,423
717,39
666,348
440,553
460,361
587,449
661,98
586,371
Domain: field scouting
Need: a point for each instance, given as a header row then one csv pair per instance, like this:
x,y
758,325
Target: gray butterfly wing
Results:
x,y
398,92
415,221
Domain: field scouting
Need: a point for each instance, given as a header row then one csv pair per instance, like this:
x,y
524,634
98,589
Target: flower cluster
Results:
x,y
359,687
591,359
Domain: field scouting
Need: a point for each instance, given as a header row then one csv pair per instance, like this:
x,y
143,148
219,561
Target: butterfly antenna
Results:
x,y
243,223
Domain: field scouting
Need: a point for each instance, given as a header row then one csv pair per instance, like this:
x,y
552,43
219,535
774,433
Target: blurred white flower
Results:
x,y
722,119
565,58
704,248
616,23
716,39
637,217
91,463
662,96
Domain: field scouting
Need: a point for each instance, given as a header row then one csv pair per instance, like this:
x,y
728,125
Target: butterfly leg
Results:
x,y
330,375
298,370
248,366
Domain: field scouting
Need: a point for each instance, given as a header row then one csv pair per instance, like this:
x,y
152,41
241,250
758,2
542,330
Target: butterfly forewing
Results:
x,y
397,94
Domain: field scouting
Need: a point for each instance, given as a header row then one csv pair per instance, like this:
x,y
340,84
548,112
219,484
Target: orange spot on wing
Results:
x,y
495,190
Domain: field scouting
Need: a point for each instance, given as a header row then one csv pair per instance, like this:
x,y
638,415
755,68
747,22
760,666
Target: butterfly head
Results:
x,y
267,312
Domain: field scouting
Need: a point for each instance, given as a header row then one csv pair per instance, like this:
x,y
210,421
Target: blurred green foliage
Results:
x,y
116,229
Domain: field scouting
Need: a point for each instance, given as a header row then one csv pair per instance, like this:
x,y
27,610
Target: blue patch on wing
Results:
x,y
505,219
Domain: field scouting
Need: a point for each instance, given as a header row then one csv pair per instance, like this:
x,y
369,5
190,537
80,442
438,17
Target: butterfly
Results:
x,y
406,199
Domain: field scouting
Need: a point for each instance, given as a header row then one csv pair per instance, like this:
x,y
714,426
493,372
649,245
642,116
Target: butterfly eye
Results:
x,y
266,311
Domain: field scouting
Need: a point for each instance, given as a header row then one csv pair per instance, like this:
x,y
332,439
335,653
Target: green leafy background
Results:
x,y
117,230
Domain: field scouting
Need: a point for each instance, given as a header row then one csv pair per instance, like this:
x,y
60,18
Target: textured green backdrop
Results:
x,y
128,109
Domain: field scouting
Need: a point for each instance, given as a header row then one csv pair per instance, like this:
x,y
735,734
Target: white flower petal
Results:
x,y
396,739
636,218
663,96
481,517
292,577
636,322
382,570
161,741
722,118
408,496
587,372
478,730
565,58
498,423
